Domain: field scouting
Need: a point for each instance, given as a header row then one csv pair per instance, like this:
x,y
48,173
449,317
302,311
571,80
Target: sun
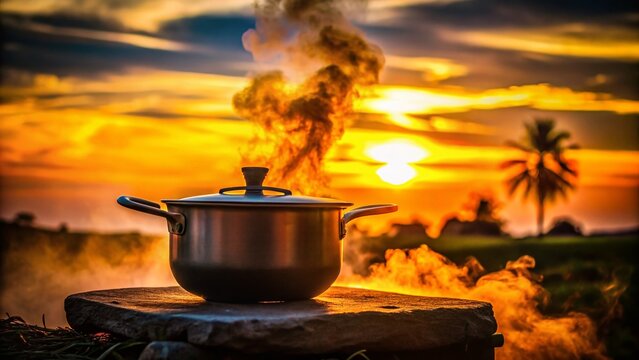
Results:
x,y
396,173
397,155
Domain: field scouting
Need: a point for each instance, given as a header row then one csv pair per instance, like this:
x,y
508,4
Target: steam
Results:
x,y
40,268
514,292
299,122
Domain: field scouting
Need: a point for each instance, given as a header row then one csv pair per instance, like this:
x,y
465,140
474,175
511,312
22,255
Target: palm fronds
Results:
x,y
543,144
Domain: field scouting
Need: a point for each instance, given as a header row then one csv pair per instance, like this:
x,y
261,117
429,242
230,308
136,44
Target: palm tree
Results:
x,y
545,173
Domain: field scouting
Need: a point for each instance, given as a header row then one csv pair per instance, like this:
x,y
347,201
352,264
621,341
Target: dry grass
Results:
x,y
19,340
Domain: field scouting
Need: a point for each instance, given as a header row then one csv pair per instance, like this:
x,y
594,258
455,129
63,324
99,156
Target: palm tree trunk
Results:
x,y
540,217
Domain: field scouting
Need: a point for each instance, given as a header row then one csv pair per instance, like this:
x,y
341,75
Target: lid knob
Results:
x,y
254,177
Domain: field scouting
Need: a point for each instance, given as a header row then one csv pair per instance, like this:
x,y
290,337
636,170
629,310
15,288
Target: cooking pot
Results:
x,y
251,246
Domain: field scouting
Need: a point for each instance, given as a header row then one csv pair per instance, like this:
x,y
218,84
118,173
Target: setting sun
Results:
x,y
397,154
396,173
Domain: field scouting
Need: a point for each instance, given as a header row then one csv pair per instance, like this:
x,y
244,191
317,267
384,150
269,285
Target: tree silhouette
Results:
x,y
545,173
482,206
24,218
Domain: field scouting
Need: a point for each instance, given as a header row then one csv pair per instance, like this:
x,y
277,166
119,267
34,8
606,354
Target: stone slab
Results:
x,y
178,350
169,350
340,320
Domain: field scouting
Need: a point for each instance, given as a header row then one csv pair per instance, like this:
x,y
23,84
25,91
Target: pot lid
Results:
x,y
254,195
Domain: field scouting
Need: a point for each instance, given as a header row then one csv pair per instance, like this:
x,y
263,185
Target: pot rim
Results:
x,y
262,202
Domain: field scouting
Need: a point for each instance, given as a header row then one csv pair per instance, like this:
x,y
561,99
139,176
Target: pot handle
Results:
x,y
254,177
364,211
255,190
176,221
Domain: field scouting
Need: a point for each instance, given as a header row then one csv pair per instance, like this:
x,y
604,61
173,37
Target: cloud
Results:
x,y
572,40
597,80
221,31
601,130
425,125
432,69
148,15
76,129
138,40
413,100
96,52
575,40
94,41
487,14
170,95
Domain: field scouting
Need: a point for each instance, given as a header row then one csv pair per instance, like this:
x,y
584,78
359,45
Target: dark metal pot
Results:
x,y
254,247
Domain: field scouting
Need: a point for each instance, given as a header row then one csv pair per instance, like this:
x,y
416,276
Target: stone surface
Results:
x,y
340,320
169,350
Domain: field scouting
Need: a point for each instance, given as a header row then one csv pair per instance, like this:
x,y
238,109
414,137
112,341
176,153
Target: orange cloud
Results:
x,y
432,69
402,99
87,140
576,40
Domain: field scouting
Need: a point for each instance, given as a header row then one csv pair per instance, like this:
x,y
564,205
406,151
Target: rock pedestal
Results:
x,y
340,321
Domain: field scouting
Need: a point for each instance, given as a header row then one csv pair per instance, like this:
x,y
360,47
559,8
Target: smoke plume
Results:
x,y
298,122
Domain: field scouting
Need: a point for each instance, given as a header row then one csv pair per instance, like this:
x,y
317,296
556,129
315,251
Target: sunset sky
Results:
x,y
103,98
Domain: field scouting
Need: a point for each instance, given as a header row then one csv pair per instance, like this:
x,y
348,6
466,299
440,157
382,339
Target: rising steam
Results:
x,y
299,122
39,267
514,292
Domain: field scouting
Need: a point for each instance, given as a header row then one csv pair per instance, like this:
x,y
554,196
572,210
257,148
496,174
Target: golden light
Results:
x,y
408,100
593,42
391,99
396,173
397,154
432,69
397,151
